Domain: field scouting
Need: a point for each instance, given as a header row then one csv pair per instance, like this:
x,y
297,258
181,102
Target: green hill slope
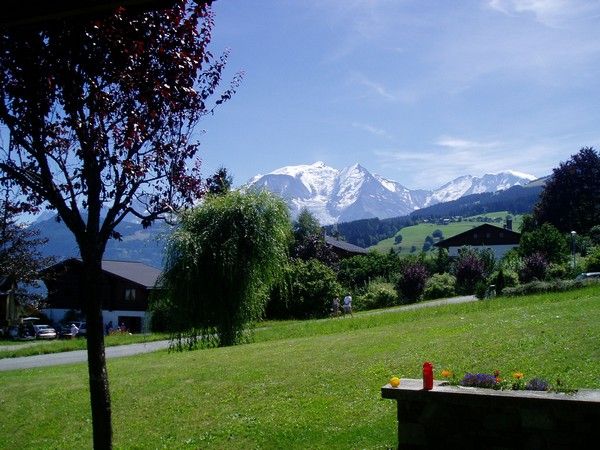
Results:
x,y
415,235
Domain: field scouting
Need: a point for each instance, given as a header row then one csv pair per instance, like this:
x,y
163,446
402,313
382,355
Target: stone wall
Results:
x,y
450,417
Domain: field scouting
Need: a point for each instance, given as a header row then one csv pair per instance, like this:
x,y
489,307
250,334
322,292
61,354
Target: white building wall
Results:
x,y
499,250
57,314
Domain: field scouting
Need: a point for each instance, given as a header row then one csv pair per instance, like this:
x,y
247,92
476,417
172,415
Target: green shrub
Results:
x,y
481,290
546,240
558,272
308,290
440,286
379,294
595,235
504,278
540,287
512,261
592,262
357,271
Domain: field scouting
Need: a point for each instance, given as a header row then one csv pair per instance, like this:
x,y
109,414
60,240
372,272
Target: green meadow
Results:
x,y
305,384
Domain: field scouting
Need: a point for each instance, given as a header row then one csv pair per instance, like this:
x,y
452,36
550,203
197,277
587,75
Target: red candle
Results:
x,y
427,376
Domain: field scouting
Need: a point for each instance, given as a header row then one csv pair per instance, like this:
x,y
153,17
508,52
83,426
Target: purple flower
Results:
x,y
483,380
536,384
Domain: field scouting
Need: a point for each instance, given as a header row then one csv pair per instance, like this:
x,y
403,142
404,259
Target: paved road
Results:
x,y
54,359
427,304
77,356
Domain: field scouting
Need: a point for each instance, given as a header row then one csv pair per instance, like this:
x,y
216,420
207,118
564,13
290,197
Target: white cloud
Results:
x,y
449,158
379,91
548,12
377,88
371,129
458,143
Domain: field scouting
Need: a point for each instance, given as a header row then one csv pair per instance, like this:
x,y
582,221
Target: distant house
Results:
x,y
344,249
125,290
499,240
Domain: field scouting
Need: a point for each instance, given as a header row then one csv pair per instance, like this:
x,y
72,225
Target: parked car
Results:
x,y
587,276
44,331
66,329
25,330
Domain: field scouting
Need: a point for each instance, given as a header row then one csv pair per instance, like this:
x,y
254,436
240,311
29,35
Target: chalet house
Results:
x,y
125,290
499,240
344,249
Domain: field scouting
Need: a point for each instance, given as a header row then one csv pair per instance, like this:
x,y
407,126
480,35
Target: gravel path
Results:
x,y
77,356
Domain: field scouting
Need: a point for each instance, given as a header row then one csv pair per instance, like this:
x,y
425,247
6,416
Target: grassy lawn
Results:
x,y
29,348
312,384
416,234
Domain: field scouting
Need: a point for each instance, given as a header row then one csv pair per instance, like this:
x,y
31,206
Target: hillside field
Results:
x,y
416,234
310,384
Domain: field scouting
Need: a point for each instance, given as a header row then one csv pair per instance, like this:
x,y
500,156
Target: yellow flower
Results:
x,y
395,382
518,375
447,373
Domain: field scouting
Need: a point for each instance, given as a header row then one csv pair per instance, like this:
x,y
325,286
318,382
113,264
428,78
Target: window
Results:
x,y
501,234
474,235
130,294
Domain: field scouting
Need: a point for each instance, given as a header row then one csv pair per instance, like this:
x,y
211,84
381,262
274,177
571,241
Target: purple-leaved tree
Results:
x,y
98,115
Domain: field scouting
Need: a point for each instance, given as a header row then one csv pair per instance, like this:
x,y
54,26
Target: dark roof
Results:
x,y
133,271
137,272
346,246
485,234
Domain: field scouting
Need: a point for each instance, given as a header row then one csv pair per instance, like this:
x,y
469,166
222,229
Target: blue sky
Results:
x,y
417,91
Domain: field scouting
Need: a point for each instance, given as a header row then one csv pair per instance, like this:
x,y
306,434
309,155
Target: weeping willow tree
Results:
x,y
220,265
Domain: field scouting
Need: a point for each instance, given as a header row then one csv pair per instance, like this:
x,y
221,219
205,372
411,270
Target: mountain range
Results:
x,y
354,193
332,195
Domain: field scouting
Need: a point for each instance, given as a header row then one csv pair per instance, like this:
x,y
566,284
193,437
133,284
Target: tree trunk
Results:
x,y
99,392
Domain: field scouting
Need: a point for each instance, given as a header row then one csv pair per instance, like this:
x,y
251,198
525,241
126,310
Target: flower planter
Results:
x,y
468,417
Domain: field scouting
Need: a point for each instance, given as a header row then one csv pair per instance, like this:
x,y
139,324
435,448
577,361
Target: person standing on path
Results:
x,y
348,305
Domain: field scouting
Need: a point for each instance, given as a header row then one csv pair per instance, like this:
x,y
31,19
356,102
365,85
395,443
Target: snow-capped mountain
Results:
x,y
354,193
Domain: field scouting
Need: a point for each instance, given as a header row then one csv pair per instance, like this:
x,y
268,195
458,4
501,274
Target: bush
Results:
x,y
512,261
481,290
540,287
441,263
534,268
504,278
379,294
440,286
308,291
595,235
159,320
546,240
357,271
411,283
469,270
558,271
583,245
592,262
